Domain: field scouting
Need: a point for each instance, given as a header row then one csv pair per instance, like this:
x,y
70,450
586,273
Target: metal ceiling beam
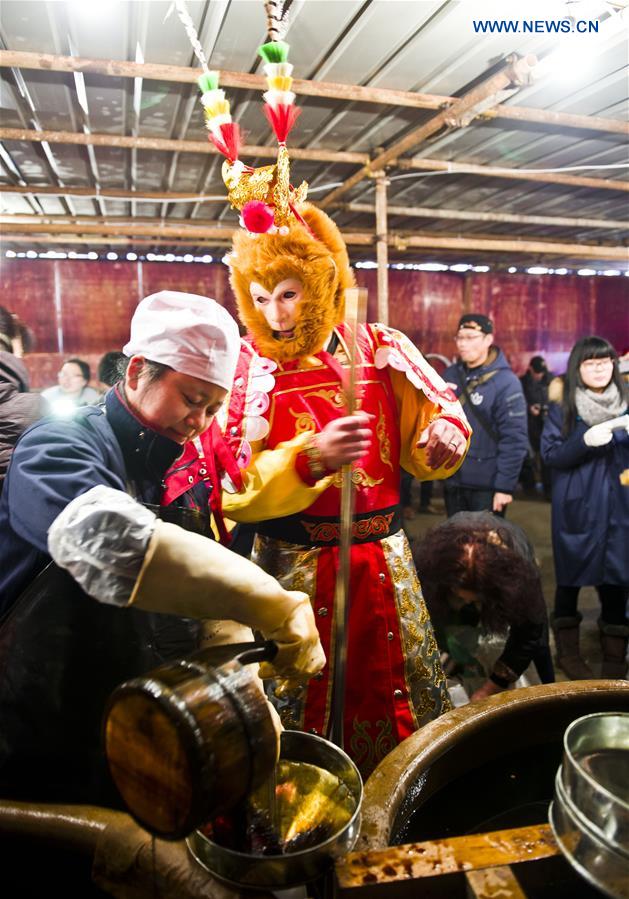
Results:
x,y
346,92
176,146
475,216
399,241
457,115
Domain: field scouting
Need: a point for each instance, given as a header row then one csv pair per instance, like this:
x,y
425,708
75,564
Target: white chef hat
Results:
x,y
194,335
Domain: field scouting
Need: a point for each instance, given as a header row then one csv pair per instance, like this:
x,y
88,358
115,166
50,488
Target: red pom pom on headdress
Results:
x,y
257,217
230,140
281,119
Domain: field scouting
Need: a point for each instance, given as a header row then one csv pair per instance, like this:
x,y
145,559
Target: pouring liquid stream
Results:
x,y
272,800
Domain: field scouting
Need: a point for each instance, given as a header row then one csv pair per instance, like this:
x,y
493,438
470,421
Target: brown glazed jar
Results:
x,y
191,739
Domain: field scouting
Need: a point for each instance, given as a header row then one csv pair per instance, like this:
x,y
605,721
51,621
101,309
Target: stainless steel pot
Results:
x,y
279,871
595,774
583,847
590,811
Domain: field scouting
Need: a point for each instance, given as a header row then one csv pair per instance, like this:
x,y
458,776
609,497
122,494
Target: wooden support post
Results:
x,y
467,294
382,248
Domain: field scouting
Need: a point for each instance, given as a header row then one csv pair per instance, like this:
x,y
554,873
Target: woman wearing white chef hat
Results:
x,y
76,526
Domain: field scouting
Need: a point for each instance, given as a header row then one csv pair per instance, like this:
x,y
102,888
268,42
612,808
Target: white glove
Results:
x,y
601,434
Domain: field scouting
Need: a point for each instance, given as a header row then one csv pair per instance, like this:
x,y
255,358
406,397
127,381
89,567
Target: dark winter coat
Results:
x,y
590,507
536,394
18,408
493,462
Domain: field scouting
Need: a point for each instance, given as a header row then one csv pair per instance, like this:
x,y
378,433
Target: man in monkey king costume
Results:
x,y
290,286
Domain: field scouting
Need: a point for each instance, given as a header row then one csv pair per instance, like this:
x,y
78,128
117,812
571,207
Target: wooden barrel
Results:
x,y
189,741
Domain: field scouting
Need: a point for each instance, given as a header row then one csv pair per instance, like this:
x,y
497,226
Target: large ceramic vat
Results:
x,y
485,766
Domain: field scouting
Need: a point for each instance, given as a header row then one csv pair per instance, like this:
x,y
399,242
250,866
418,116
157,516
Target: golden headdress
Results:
x,y
282,236
264,196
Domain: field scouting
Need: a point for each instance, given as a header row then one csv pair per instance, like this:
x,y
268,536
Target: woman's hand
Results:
x,y
501,500
489,688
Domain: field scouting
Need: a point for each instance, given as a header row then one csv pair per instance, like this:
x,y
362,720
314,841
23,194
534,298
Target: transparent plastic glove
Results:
x,y
101,538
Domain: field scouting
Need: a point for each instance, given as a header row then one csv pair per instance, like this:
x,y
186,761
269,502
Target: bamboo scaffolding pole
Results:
x,y
428,165
112,193
558,119
400,241
518,246
513,73
382,248
96,240
476,216
467,168
158,230
335,91
175,146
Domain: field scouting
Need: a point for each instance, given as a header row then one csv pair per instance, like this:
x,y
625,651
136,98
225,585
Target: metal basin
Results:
x,y
277,871
590,810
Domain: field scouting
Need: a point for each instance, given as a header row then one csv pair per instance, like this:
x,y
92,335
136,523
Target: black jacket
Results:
x,y
18,408
492,462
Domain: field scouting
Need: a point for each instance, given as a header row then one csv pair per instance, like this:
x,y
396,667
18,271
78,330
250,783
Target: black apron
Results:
x,y
61,655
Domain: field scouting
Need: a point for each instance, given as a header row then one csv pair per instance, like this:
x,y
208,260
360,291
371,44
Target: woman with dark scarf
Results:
x,y
586,444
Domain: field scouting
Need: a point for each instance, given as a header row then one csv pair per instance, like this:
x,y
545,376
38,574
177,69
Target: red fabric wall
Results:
x,y
83,308
532,314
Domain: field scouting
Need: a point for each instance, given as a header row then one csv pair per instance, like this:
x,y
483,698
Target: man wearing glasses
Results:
x,y
495,406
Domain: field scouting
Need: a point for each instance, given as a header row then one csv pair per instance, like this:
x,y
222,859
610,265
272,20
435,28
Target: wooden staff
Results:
x,y
355,314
